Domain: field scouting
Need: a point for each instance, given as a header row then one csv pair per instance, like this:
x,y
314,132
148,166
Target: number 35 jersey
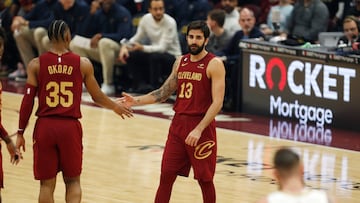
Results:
x,y
194,87
59,85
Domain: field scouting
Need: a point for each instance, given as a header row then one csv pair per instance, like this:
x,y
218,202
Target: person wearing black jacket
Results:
x,y
350,42
231,54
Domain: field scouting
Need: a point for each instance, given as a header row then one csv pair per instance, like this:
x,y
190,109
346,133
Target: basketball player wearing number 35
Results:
x,y
199,81
56,78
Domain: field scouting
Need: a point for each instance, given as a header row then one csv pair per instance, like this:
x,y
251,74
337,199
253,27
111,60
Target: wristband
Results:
x,y
20,131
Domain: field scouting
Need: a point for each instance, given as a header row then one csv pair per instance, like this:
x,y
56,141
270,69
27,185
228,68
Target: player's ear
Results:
x,y
276,175
68,36
301,168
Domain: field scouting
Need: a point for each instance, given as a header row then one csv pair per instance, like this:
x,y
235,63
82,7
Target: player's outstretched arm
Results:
x,y
159,95
97,95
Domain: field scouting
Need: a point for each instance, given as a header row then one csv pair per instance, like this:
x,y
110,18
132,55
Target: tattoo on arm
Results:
x,y
168,87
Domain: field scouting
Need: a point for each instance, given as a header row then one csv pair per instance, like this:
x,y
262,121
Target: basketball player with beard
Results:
x,y
199,81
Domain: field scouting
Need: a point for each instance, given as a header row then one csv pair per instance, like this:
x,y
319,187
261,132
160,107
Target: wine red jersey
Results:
x,y
194,87
59,85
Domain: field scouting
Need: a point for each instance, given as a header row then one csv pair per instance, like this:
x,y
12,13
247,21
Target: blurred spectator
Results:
x,y
185,11
28,44
109,22
231,54
354,9
219,37
11,55
260,8
21,7
350,42
265,7
232,16
254,5
131,5
277,18
307,20
150,63
74,12
336,11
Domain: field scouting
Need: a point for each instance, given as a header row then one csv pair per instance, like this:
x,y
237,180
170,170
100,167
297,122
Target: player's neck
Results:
x,y
199,56
58,49
292,185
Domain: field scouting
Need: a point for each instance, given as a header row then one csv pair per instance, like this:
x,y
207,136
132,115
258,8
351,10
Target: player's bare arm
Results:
x,y
216,72
169,86
96,94
32,71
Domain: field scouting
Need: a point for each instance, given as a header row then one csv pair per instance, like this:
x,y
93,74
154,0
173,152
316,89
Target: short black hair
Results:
x,y
57,29
217,15
199,25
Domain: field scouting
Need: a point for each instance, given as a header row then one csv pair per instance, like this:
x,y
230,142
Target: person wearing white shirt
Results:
x,y
150,53
232,16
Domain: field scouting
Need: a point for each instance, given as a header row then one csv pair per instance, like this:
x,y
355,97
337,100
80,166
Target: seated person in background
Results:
x,y
231,54
27,40
247,21
219,37
185,11
277,18
73,12
289,173
149,64
11,56
109,23
21,7
336,11
307,20
353,9
349,43
231,16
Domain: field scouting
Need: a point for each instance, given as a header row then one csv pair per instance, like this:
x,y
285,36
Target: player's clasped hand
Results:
x,y
123,110
127,100
15,154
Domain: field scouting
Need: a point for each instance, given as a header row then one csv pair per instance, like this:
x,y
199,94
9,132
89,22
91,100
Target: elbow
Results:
x,y
221,105
218,105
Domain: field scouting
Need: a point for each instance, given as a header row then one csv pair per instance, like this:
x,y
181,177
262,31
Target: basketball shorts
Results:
x,y
178,157
57,146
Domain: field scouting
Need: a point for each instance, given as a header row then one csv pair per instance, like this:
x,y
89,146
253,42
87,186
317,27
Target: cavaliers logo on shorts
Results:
x,y
204,150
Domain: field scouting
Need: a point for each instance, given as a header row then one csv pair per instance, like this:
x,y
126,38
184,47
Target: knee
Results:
x,y
167,178
39,33
72,181
106,44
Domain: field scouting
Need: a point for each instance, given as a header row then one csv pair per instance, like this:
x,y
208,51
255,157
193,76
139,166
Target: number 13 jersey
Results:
x,y
194,87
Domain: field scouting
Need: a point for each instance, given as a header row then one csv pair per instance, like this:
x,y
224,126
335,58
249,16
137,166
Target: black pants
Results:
x,y
149,69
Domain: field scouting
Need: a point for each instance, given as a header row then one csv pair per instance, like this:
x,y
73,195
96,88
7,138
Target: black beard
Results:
x,y
196,51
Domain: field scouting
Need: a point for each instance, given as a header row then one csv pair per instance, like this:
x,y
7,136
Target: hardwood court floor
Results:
x,y
122,158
